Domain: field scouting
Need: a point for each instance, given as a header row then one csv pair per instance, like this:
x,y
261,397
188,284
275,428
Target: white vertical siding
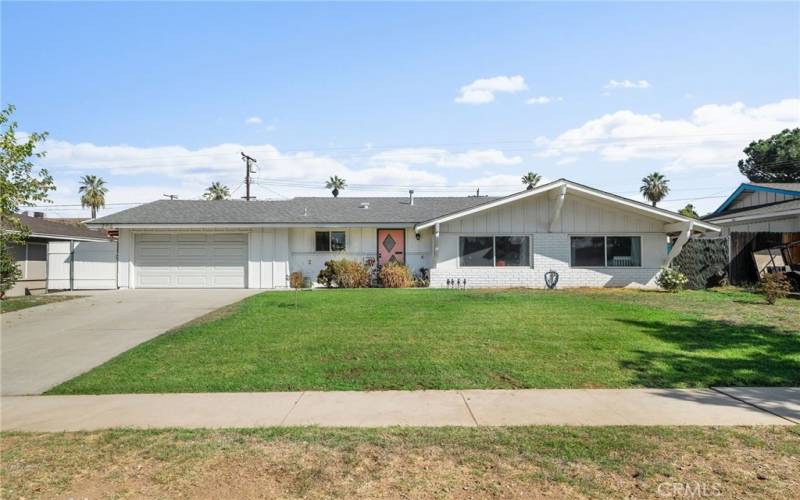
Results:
x,y
755,198
551,250
94,265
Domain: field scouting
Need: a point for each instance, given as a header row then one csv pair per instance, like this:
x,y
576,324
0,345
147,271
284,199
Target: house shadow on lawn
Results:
x,y
706,353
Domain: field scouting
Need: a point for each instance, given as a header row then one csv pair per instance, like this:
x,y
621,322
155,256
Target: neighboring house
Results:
x,y
49,248
590,237
755,217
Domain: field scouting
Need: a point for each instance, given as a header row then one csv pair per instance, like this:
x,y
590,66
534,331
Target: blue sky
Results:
x,y
443,98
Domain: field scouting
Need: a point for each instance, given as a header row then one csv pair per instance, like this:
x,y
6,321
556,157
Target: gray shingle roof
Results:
x,y
43,227
303,210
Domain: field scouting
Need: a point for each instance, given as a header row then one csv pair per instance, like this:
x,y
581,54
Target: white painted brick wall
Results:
x,y
551,251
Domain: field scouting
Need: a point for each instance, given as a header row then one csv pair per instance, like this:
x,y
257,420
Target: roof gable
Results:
x,y
566,186
789,189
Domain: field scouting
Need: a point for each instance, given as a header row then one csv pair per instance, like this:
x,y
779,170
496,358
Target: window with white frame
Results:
x,y
494,251
606,251
330,241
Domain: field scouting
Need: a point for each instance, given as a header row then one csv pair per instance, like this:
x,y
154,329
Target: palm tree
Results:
x,y
335,184
93,193
217,191
531,179
654,187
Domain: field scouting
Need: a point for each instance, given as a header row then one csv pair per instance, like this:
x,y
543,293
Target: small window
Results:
x,y
512,251
624,251
337,241
330,241
587,251
476,251
37,252
323,241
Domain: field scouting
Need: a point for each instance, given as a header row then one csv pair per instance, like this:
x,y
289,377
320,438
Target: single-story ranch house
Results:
x,y
590,237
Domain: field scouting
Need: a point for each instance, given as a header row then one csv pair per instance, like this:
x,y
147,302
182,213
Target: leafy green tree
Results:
x,y
93,193
19,186
531,180
335,184
688,211
217,191
655,187
776,159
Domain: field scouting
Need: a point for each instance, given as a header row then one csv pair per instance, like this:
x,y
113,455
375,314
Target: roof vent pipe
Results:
x,y
410,196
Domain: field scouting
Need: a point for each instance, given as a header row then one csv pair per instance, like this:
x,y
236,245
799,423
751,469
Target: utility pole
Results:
x,y
249,161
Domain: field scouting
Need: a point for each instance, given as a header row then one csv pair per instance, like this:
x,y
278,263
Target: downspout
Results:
x,y
72,265
436,246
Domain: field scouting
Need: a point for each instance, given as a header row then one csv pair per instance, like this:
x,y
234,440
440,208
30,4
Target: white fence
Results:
x,y
81,265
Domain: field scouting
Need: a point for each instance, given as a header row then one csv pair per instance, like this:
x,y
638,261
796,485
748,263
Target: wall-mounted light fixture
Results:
x,y
418,236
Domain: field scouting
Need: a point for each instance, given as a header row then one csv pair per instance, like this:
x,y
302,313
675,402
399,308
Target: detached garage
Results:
x,y
190,260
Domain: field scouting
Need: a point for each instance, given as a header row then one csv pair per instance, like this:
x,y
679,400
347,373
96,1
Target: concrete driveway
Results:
x,y
45,345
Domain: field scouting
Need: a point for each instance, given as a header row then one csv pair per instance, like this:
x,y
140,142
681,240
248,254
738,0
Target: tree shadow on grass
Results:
x,y
705,353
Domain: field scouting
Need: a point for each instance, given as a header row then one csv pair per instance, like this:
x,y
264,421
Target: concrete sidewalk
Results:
x,y
751,406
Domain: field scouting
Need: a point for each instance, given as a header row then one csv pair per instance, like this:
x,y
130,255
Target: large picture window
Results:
x,y
606,251
623,251
330,241
494,251
588,251
512,251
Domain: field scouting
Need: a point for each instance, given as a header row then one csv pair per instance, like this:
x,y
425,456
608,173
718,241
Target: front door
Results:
x,y
391,246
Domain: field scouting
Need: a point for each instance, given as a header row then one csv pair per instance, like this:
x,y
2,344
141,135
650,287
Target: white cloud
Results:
x,y
483,90
713,136
141,174
627,84
442,158
543,99
254,120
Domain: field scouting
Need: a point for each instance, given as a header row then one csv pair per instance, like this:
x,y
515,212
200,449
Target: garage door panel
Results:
x,y
229,238
192,238
191,251
228,281
153,280
148,250
154,238
222,252
195,260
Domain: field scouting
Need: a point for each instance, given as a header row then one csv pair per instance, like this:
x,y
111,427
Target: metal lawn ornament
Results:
x,y
551,279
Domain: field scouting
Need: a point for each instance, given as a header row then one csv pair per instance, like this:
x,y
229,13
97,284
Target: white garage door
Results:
x,y
190,260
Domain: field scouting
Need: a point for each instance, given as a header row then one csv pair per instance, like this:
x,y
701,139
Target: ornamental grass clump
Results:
x,y
344,273
671,279
774,286
395,275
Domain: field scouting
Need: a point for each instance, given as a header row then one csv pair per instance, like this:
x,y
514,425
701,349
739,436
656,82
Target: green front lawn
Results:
x,y
443,339
12,304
